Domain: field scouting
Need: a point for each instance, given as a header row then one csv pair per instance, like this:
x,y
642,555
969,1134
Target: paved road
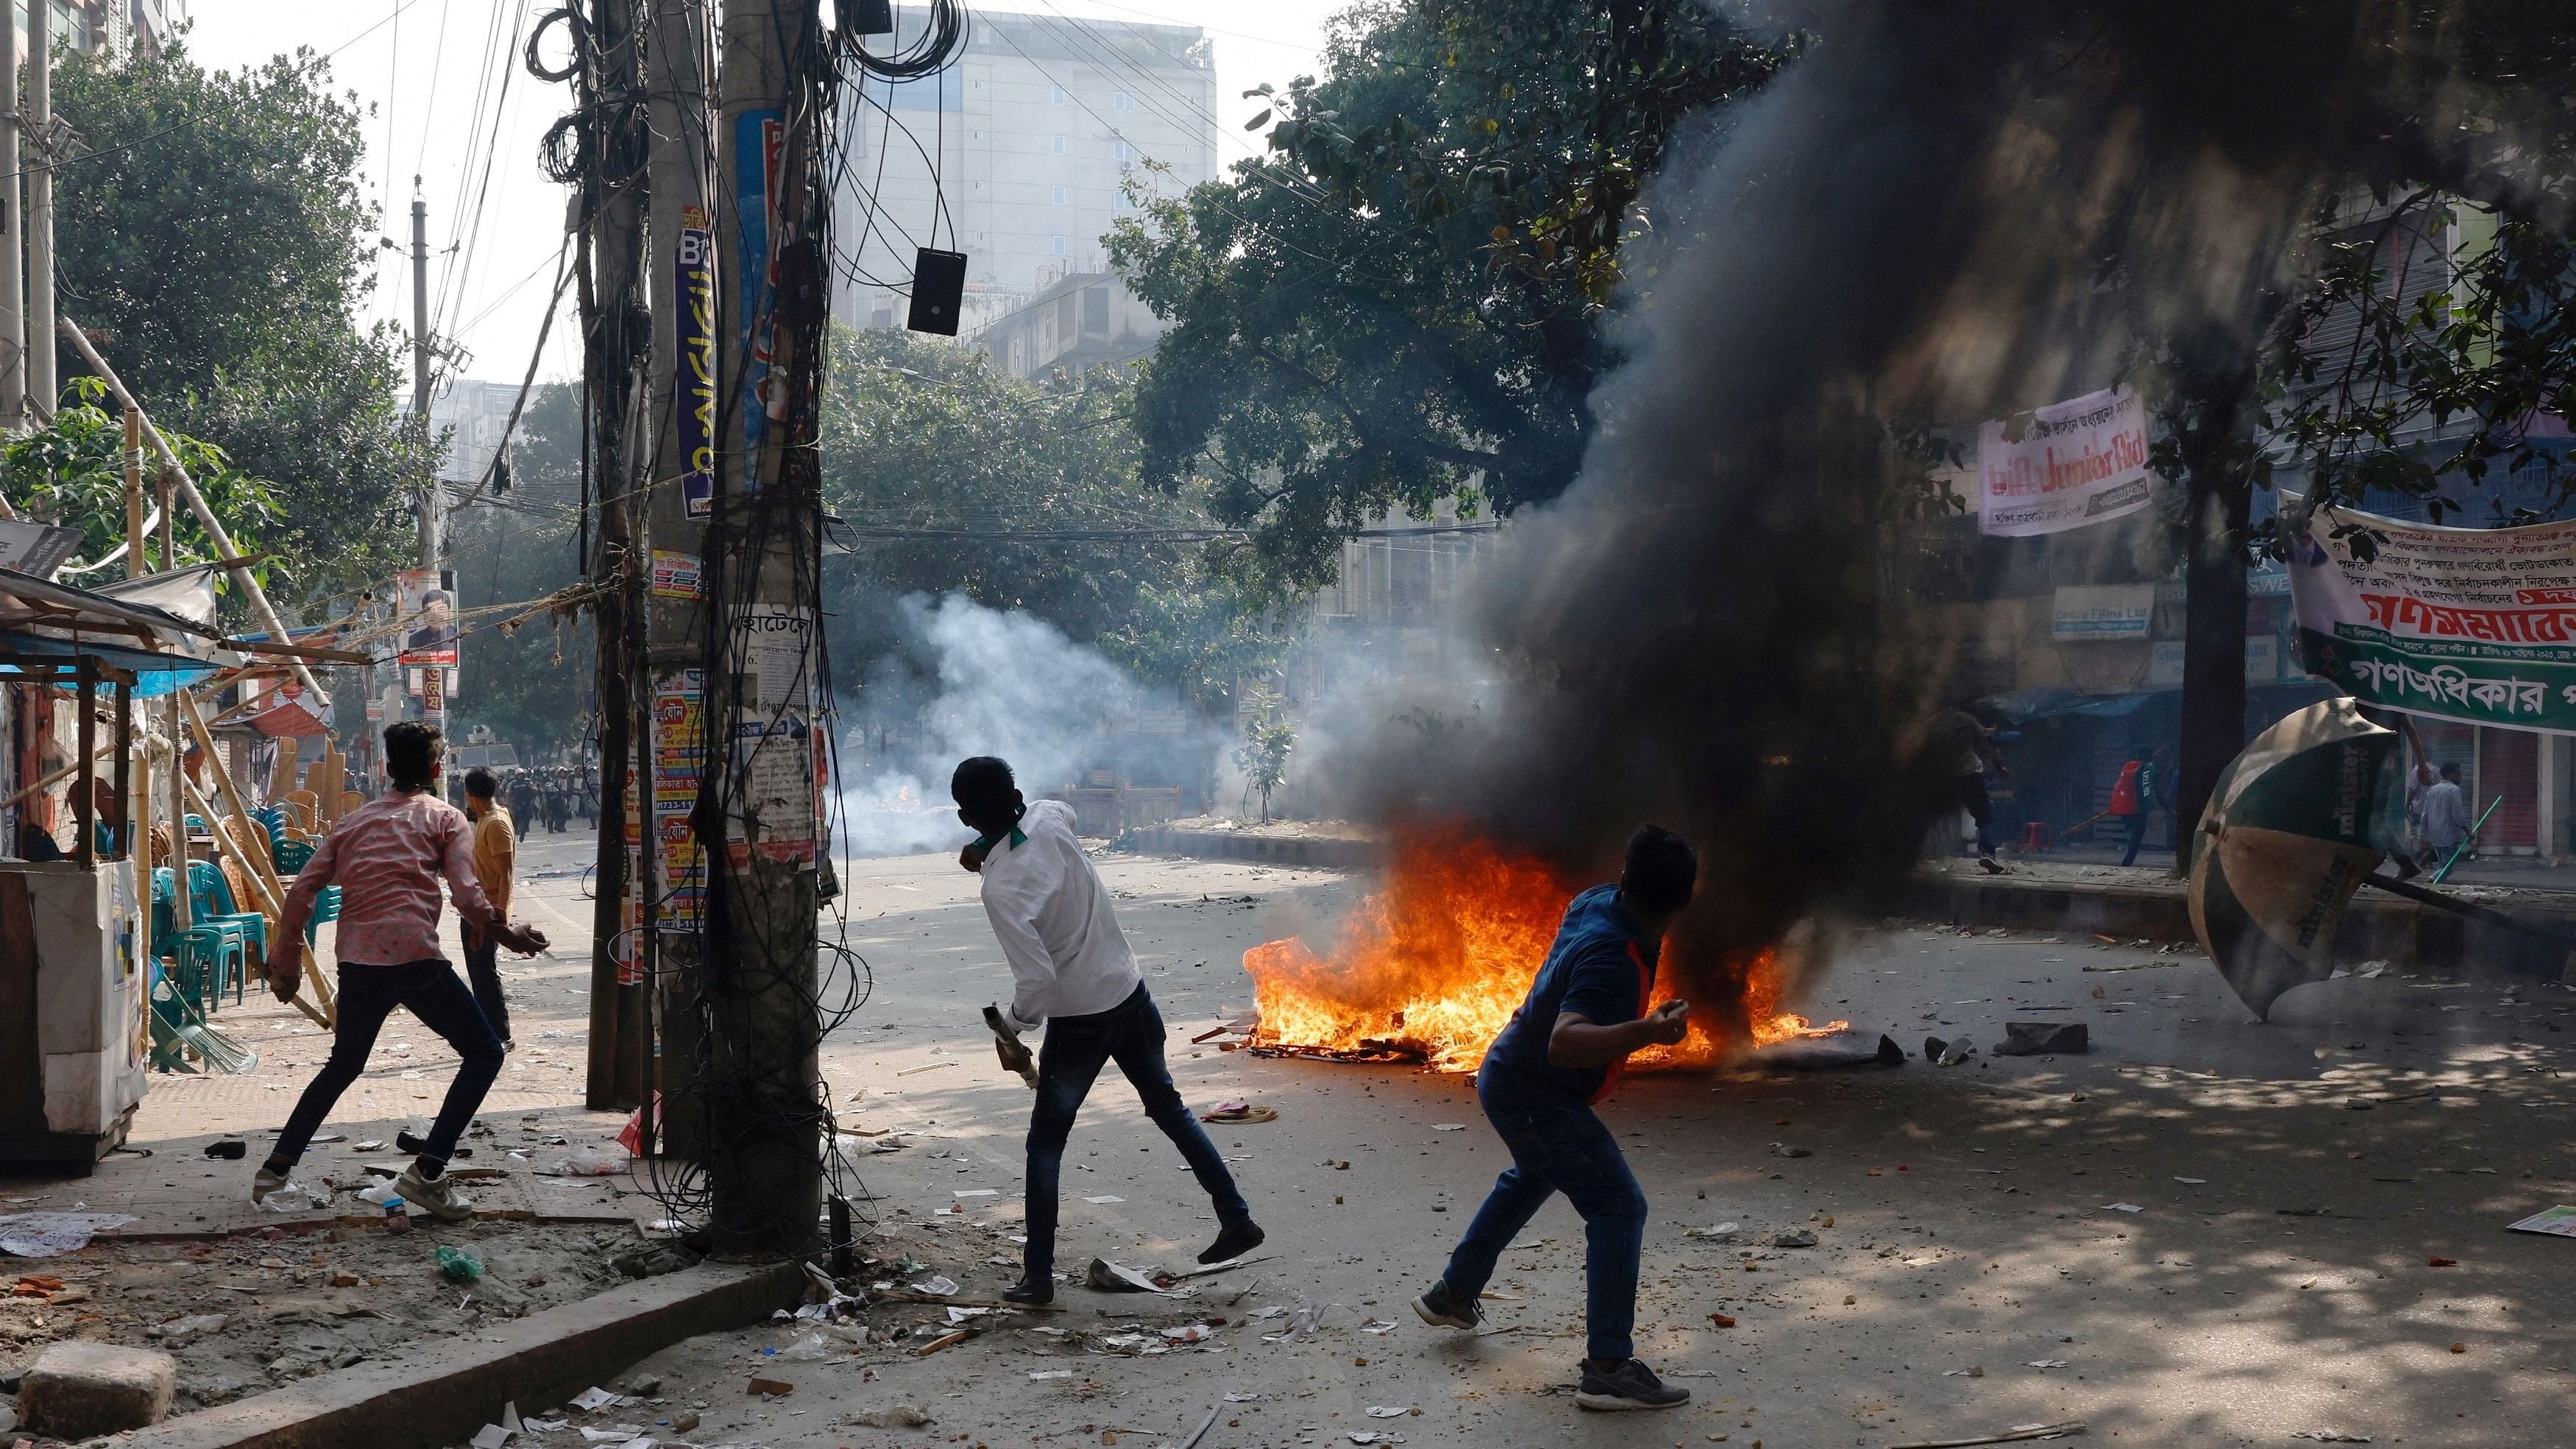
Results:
x,y
2274,1276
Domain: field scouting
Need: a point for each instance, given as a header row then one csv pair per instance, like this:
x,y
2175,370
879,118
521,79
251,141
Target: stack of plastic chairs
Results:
x,y
202,958
210,902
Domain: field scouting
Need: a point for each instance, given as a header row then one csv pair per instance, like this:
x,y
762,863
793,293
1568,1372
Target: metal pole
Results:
x,y
40,206
13,259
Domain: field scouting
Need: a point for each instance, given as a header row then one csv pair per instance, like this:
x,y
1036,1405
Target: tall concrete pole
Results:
x,y
40,206
680,166
763,1164
433,501
13,246
617,345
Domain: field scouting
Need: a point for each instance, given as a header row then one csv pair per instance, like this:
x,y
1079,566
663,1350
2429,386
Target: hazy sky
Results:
x,y
435,74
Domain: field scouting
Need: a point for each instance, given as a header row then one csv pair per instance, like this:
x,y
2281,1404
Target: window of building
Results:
x,y
1120,100
1056,95
1126,151
1126,202
939,92
1058,197
1055,244
1056,144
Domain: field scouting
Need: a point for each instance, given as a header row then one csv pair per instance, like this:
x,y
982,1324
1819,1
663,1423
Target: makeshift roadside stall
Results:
x,y
116,943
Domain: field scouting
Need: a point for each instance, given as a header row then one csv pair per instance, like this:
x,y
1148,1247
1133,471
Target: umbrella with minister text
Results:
x,y
2294,826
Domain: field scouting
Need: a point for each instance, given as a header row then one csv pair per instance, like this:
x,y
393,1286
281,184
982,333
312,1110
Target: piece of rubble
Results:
x,y
1793,1238
79,1390
894,1416
1109,1277
1783,1149
2042,1038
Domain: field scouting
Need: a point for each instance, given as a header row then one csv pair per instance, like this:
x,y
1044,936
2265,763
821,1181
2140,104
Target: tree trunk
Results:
x,y
2219,455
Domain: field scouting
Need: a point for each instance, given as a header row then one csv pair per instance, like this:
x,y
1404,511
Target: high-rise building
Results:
x,y
92,25
1022,155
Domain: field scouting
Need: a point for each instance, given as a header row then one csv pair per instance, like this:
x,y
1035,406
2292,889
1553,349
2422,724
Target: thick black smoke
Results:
x,y
1943,212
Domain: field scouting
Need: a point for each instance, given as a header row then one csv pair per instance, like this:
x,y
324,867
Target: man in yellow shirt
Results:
x,y
496,854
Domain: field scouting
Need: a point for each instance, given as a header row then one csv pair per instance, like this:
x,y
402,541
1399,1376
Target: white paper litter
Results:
x,y
1051,1374
1243,1398
2194,1181
1104,1198
966,1315
490,1436
1714,1232
1395,1412
592,1400
1378,1325
49,1235
978,1192
936,1283
1375,1436
1448,1126
613,1434
2122,1207
2047,1363
544,1426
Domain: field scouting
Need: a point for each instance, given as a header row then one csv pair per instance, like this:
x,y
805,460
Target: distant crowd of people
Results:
x,y
552,796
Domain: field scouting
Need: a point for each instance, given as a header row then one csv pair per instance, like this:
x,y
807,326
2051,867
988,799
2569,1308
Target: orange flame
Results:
x,y
1437,961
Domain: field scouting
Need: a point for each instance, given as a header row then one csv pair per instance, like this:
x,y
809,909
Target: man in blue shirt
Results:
x,y
1562,1052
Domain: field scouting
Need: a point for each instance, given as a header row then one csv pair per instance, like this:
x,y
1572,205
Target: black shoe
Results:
x,y
1031,1289
1631,1385
1237,1240
1443,1309
404,1141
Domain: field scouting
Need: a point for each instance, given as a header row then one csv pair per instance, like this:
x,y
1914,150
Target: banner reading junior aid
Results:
x,y
2469,624
2080,461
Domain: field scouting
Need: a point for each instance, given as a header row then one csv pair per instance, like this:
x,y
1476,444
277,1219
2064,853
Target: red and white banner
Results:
x,y
2071,463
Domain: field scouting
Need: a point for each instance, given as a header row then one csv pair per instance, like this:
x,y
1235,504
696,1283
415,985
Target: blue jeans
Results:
x,y
369,994
1557,1145
1076,1048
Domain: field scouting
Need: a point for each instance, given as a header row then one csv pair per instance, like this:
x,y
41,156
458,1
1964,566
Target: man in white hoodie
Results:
x,y
1074,975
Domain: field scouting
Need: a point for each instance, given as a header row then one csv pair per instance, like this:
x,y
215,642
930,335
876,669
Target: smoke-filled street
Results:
x,y
2189,1235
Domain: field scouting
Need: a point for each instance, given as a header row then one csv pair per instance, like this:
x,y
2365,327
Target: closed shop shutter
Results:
x,y
2508,767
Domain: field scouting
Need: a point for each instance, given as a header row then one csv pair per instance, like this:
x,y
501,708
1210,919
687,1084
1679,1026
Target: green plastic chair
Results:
x,y
210,900
201,958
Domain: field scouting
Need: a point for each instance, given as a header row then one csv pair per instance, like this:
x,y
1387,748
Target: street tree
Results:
x,y
215,236
1403,304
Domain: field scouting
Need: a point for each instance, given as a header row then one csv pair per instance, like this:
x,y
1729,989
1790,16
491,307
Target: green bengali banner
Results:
x,y
2516,691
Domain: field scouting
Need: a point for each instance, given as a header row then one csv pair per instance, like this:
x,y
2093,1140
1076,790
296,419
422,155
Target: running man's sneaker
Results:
x,y
264,1182
1443,1309
1631,1385
437,1194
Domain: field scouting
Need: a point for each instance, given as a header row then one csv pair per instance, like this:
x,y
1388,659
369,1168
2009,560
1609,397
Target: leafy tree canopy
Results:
x,y
949,475
214,235
1403,303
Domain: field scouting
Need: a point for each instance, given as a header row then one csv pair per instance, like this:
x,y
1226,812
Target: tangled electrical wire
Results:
x,y
929,53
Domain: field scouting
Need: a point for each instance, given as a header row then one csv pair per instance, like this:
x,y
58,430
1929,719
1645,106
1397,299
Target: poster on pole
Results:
x,y
759,141
2074,463
2476,625
425,614
697,381
679,759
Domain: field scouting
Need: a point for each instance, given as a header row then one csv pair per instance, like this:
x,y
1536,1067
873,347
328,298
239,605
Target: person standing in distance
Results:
x,y
1563,1051
496,860
1073,974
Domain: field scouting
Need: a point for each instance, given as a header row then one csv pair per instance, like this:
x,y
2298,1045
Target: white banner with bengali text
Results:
x,y
2073,463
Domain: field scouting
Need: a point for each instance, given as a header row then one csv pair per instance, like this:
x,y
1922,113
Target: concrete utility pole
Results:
x,y
617,343
757,806
682,396
433,502
13,248
40,207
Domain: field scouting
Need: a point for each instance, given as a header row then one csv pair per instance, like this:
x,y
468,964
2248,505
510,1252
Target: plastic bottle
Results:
x,y
397,1217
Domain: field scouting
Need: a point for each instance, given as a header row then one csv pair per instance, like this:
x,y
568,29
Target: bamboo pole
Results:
x,y
263,872
187,486
135,528
224,842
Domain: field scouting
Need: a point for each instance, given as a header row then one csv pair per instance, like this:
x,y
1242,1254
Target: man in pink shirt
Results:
x,y
387,856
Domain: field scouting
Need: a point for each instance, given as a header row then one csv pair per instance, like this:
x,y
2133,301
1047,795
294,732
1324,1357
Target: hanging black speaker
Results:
x,y
938,289
867,17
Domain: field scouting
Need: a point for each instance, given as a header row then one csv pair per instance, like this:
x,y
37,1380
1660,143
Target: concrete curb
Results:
x,y
443,1394
2375,928
1316,852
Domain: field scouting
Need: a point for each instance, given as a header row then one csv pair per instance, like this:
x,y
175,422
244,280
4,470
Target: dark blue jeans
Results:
x,y
369,994
1557,1145
1070,1059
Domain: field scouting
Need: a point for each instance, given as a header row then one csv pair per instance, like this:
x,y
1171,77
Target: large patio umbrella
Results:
x,y
2295,824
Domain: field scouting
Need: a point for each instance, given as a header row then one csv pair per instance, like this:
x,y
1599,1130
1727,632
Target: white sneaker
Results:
x,y
438,1195
264,1182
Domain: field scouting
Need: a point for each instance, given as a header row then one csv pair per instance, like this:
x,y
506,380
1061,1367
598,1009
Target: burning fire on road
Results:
x,y
1430,968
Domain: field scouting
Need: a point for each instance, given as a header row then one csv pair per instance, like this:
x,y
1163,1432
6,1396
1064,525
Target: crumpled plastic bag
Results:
x,y
586,1162
50,1235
